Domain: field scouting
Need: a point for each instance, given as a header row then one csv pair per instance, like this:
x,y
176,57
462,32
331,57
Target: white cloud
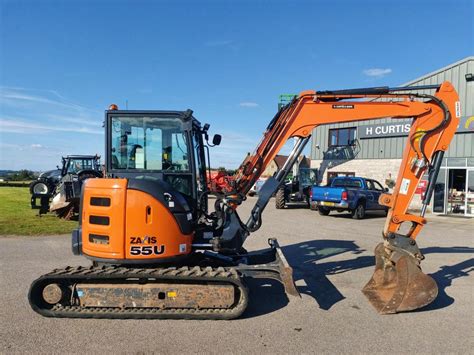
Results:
x,y
20,96
19,126
39,111
248,104
47,125
377,72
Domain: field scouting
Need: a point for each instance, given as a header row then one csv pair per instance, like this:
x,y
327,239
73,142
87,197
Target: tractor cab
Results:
x,y
307,177
74,164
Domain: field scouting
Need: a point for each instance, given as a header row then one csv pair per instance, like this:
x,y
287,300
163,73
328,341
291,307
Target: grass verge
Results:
x,y
17,217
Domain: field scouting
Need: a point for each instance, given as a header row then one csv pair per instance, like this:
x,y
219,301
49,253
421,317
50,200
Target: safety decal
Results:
x,y
458,109
343,106
404,187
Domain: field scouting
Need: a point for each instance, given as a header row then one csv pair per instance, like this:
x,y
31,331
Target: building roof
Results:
x,y
447,67
281,159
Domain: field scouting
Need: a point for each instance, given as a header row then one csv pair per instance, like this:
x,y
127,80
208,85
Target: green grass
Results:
x,y
17,217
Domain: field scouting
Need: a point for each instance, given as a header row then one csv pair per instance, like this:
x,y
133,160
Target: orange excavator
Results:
x,y
159,251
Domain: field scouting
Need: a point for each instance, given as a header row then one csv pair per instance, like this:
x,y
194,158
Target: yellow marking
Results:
x,y
468,122
418,134
172,294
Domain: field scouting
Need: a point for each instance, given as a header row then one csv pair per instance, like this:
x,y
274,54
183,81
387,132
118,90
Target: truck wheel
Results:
x,y
359,211
323,211
280,199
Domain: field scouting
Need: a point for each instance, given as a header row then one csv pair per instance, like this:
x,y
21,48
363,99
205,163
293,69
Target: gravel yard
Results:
x,y
332,259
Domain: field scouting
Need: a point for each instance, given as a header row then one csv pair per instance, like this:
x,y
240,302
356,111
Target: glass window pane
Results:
x,y
343,137
470,193
352,135
438,194
151,143
154,139
332,137
179,155
370,185
377,186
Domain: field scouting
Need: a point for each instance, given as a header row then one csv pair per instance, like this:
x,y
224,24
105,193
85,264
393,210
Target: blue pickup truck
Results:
x,y
353,194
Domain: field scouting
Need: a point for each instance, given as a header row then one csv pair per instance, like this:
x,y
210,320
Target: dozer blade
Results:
x,y
398,284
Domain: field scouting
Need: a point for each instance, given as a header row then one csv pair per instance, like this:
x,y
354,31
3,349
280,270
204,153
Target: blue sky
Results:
x,y
63,62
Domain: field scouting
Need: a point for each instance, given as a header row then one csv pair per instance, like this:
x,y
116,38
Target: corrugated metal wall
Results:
x,y
385,148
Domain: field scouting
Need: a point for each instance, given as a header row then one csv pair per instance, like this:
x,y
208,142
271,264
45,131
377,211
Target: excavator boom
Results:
x,y
398,283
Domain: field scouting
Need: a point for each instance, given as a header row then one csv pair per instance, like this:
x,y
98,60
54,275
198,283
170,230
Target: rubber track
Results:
x,y
112,274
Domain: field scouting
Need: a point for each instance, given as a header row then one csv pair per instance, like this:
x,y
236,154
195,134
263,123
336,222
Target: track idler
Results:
x,y
398,284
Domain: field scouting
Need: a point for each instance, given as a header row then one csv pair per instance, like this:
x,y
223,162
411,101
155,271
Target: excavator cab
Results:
x,y
158,146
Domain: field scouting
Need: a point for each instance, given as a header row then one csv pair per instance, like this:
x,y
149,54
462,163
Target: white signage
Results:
x,y
384,130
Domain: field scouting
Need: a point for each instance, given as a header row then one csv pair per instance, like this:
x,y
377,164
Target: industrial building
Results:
x,y
374,148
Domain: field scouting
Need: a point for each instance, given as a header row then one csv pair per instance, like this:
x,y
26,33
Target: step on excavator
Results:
x,y
159,251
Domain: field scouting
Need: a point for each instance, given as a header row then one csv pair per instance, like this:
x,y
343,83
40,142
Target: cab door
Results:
x,y
375,191
369,195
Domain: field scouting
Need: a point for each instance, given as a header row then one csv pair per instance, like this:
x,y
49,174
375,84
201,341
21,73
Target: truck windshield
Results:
x,y
148,143
355,184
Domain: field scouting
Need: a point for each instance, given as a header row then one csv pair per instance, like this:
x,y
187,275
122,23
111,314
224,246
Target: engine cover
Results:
x,y
126,221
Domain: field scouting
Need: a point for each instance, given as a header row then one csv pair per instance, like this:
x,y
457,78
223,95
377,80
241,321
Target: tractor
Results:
x,y
59,190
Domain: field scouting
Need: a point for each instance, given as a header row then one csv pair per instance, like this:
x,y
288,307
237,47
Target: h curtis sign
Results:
x,y
401,129
382,130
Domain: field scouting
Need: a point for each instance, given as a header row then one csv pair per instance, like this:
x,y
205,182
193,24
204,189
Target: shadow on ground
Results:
x,y
304,258
368,215
310,268
446,274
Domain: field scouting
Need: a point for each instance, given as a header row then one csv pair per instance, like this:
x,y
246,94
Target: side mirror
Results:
x,y
386,189
216,140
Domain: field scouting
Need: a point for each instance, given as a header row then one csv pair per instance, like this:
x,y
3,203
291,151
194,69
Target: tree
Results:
x,y
22,175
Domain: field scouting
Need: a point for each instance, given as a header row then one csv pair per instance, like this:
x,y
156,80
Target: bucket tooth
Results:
x,y
398,284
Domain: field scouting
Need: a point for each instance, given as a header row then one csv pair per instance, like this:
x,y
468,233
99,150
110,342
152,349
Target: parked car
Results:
x,y
352,194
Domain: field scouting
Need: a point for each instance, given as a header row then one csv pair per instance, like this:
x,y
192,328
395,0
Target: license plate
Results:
x,y
327,203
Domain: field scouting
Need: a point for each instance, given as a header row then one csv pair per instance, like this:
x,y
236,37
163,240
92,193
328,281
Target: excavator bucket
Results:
x,y
398,284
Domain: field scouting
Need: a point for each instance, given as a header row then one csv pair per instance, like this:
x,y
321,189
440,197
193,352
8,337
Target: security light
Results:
x,y
469,77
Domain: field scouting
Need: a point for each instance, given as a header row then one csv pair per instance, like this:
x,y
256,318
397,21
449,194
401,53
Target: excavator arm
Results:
x,y
398,283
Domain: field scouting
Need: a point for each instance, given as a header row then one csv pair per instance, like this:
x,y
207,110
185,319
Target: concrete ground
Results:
x,y
332,259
